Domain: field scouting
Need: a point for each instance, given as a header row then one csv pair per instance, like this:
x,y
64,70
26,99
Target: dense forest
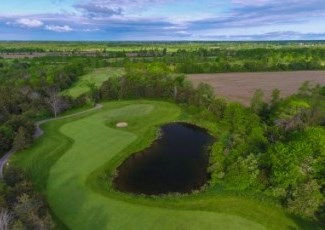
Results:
x,y
271,149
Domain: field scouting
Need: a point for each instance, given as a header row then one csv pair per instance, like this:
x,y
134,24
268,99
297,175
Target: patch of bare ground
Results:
x,y
241,86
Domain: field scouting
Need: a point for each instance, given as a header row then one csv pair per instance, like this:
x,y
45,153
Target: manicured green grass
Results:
x,y
96,77
65,164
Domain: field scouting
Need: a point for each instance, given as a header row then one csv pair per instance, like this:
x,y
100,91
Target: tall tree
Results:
x,y
55,101
178,82
257,101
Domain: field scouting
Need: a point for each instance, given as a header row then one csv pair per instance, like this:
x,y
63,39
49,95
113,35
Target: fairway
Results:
x,y
65,162
97,77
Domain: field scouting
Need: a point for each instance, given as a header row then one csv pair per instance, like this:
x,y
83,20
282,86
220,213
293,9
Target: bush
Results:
x,y
22,139
28,208
6,138
305,199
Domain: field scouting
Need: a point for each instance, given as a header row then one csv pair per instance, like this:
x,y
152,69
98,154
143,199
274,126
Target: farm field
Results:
x,y
96,77
240,87
75,151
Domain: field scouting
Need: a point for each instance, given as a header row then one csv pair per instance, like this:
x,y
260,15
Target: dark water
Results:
x,y
176,162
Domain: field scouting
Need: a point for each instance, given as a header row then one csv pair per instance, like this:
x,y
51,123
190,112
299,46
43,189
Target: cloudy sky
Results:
x,y
122,20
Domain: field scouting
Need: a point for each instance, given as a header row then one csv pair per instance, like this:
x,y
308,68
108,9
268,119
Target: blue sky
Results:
x,y
123,20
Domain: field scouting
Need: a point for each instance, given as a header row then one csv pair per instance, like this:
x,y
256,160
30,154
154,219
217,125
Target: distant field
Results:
x,y
97,77
241,86
46,46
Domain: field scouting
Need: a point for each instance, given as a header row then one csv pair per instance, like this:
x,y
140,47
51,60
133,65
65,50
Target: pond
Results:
x,y
176,162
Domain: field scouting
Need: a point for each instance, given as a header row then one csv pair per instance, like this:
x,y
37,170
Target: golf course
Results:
x,y
73,162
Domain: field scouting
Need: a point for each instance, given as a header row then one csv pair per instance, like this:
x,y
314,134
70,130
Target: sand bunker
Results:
x,y
121,124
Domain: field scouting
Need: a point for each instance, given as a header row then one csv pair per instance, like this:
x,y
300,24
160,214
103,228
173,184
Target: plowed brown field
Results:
x,y
241,86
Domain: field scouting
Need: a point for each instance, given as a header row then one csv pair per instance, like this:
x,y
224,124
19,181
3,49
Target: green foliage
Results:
x,y
288,165
258,105
305,199
18,121
218,107
285,163
234,161
6,138
204,95
22,140
275,98
295,171
25,206
243,173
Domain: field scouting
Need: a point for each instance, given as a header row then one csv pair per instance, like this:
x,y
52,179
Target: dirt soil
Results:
x,y
241,86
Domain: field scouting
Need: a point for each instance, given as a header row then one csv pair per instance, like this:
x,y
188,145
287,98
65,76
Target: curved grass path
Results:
x,y
62,161
39,132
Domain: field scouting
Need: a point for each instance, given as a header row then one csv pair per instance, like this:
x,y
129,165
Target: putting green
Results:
x,y
72,150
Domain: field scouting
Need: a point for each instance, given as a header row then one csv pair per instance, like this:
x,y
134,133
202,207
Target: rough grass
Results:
x,y
66,161
96,77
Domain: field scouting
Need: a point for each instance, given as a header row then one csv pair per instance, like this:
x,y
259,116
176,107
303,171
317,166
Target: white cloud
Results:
x,y
90,30
183,33
251,2
54,28
30,23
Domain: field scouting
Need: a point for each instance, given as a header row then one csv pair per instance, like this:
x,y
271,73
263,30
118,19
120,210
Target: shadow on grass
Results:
x,y
305,223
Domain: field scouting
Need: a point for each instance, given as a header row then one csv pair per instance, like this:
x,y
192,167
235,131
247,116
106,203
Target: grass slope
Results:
x,y
65,161
97,77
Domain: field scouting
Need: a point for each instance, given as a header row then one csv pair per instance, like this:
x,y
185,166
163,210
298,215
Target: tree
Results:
x,y
6,137
218,107
30,210
26,209
178,82
257,102
204,95
284,164
18,121
243,173
164,53
55,101
10,99
304,89
110,89
306,199
292,115
93,92
22,139
275,97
